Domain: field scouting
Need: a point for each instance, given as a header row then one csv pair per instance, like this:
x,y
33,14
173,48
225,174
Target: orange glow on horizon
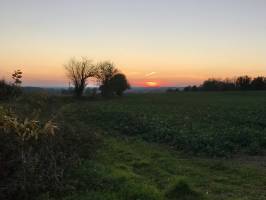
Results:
x,y
152,84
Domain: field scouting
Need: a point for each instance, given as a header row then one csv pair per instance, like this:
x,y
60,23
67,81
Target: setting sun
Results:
x,y
152,84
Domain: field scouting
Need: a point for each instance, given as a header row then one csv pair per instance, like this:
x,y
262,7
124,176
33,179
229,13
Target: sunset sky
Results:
x,y
169,42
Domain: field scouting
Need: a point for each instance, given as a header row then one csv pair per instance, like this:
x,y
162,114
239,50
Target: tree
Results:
x,y
105,72
119,84
243,82
259,83
229,84
17,76
212,85
78,71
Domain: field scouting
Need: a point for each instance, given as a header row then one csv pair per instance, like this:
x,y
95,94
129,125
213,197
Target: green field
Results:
x,y
162,146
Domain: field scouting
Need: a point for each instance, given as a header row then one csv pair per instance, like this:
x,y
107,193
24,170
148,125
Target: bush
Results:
x,y
33,157
181,190
8,91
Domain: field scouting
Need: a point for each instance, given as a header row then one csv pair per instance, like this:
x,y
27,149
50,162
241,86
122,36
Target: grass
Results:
x,y
128,166
164,146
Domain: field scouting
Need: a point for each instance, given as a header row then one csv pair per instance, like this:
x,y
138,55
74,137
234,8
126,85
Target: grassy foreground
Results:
x,y
133,169
163,146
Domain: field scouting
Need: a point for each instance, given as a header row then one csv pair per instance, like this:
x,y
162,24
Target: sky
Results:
x,y
169,42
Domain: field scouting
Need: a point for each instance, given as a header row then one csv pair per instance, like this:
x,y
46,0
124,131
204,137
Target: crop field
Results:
x,y
212,124
160,146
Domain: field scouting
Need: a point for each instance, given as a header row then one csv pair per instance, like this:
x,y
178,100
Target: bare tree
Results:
x,y
78,72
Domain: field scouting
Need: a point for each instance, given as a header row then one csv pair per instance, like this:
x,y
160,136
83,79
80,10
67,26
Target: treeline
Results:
x,y
241,83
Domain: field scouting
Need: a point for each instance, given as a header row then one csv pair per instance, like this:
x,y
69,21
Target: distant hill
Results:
x,y
58,90
150,89
52,90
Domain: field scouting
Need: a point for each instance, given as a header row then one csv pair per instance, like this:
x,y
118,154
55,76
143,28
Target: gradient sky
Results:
x,y
173,42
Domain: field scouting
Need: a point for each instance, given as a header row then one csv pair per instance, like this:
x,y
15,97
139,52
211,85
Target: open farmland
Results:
x,y
160,146
213,124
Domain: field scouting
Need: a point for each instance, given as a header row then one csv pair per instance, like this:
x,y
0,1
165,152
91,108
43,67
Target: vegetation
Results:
x,y
119,84
239,83
29,160
17,76
181,190
78,73
6,90
148,146
141,147
10,90
110,81
37,154
106,71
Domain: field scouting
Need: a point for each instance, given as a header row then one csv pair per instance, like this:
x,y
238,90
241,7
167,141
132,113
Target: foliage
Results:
x,y
17,76
259,83
243,82
181,190
91,92
119,84
240,83
35,156
106,71
30,161
130,163
6,90
201,123
109,80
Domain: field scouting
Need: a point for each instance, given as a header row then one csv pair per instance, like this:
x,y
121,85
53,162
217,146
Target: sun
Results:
x,y
152,84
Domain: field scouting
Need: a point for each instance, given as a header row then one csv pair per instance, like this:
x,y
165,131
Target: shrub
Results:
x,y
6,90
33,157
119,84
181,190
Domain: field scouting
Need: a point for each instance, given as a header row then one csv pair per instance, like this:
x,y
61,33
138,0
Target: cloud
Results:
x,y
150,74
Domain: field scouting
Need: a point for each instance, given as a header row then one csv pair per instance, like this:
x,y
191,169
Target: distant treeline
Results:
x,y
239,83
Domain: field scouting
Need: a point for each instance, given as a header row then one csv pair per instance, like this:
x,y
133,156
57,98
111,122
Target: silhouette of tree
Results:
x,y
78,72
17,76
212,85
259,83
105,72
239,83
243,82
119,84
229,84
